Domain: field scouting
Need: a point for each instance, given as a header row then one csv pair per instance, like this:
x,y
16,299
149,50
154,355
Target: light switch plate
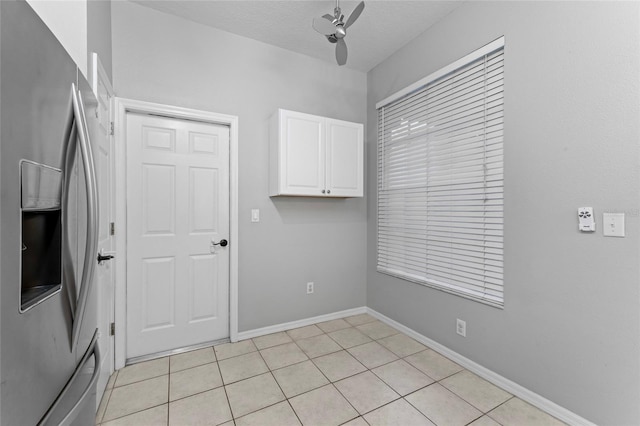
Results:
x,y
613,224
255,215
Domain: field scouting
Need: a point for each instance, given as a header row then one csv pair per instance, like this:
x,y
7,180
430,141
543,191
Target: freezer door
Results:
x,y
36,76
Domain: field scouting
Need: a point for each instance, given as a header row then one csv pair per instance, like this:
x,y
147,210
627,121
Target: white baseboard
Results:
x,y
257,332
498,380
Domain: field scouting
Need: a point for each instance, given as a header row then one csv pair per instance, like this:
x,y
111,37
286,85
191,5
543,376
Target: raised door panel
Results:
x,y
203,200
158,199
158,293
203,287
345,159
302,154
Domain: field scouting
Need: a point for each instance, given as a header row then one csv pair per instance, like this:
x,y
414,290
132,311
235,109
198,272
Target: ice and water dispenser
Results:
x,y
41,223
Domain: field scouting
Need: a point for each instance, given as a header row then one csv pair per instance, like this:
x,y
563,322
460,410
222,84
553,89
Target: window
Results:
x,y
440,179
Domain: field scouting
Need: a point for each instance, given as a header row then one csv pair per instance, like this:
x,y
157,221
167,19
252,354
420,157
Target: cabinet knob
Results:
x,y
323,191
328,191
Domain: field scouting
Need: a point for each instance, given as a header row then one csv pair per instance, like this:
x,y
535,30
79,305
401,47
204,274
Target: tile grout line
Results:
x,y
169,395
329,380
225,384
134,412
332,383
137,411
469,402
201,392
323,332
169,380
142,380
500,405
106,405
168,388
483,413
280,387
195,366
110,393
359,414
386,384
226,395
416,408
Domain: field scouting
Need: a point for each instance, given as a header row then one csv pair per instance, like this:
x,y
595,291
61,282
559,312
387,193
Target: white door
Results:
x,y
177,207
105,273
345,158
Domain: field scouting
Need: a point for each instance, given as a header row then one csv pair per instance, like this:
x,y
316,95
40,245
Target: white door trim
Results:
x,y
122,107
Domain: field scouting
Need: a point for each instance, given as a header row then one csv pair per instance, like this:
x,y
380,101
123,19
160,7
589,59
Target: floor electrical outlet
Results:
x,y
461,327
309,288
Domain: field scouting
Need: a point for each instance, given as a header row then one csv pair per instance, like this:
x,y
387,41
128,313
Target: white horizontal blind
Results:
x,y
440,182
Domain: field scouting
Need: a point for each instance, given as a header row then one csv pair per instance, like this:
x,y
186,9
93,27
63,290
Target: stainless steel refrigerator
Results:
x,y
49,359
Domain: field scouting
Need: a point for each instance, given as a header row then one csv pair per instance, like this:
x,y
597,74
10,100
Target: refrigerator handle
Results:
x,y
94,349
68,157
91,247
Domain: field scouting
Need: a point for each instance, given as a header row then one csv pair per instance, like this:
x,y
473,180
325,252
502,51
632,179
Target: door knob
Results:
x,y
222,243
102,256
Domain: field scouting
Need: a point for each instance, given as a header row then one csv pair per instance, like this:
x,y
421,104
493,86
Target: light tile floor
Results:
x,y
354,371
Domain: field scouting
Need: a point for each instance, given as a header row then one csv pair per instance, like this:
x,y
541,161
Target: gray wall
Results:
x,y
165,59
570,329
99,33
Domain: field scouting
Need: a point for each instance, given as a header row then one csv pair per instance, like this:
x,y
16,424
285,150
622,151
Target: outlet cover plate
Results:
x,y
613,224
461,327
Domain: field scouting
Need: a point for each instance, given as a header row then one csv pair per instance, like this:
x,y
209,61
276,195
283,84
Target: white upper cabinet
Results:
x,y
315,156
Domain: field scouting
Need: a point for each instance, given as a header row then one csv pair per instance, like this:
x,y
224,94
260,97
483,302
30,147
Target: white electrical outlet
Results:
x,y
309,288
461,327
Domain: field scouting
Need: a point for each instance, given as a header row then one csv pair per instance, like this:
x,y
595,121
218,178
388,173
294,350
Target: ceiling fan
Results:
x,y
334,28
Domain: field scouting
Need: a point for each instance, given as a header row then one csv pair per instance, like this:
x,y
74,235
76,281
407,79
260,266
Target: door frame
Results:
x,y
123,106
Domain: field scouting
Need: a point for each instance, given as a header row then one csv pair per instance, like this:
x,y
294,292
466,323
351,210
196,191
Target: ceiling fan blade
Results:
x,y
330,18
355,14
341,52
323,26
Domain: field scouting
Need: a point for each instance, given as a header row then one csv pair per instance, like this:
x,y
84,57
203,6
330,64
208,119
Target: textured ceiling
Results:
x,y
383,27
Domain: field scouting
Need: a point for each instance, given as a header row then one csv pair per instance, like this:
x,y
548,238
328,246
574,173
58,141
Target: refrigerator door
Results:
x,y
85,318
72,407
82,207
38,356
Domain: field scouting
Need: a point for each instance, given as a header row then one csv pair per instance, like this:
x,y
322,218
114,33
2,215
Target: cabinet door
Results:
x,y
302,154
345,157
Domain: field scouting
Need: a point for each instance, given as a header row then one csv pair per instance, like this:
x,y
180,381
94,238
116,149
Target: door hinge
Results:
x,y
112,329
111,128
112,229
